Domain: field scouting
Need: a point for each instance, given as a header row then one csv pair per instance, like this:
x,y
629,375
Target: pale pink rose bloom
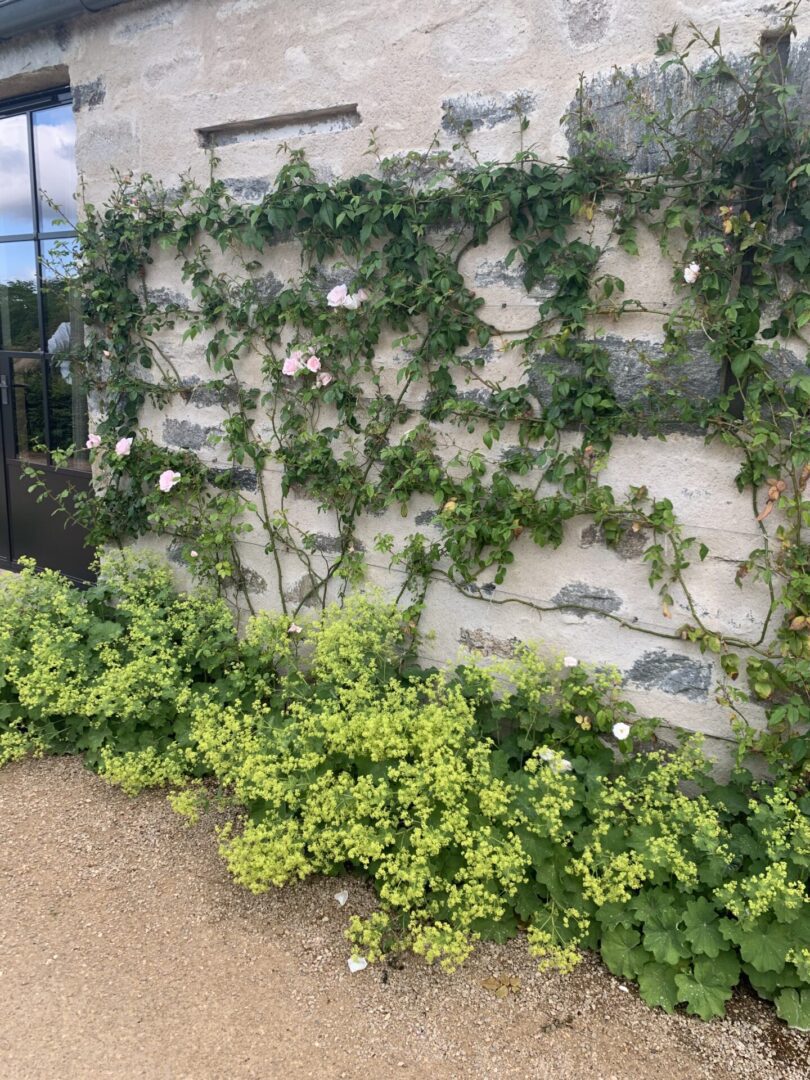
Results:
x,y
106,354
194,554
93,442
168,479
292,365
336,296
314,363
323,379
123,447
361,295
691,273
351,302
294,628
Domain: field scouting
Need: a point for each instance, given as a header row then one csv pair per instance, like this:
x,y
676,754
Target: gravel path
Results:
x,y
126,952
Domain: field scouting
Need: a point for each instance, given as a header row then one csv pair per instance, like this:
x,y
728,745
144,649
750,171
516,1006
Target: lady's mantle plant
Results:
x,y
478,803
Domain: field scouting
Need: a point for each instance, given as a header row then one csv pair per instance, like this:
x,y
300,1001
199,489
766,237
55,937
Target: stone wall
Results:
x,y
156,83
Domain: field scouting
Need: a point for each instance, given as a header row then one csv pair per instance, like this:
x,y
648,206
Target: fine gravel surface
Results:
x,y
126,952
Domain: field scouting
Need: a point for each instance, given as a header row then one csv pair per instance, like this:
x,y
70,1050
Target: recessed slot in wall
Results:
x,y
282,126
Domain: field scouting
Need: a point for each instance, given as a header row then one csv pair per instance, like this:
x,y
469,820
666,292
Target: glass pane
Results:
x,y
54,155
29,413
67,409
19,318
16,204
63,318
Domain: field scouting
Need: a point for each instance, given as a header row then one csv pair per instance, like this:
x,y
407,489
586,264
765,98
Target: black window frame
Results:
x,y
27,105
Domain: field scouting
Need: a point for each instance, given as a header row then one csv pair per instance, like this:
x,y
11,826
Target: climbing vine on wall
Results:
x,y
380,257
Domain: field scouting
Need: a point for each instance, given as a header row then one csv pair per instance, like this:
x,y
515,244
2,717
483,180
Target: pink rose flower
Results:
x,y
691,273
337,296
314,363
194,554
324,379
294,628
93,442
352,302
123,447
361,295
292,365
167,480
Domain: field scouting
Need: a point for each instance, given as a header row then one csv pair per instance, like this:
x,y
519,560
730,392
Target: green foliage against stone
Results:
x,y
730,193
339,754
476,806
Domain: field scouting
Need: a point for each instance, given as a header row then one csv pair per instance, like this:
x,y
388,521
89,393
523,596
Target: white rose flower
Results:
x,y
691,273
621,731
570,661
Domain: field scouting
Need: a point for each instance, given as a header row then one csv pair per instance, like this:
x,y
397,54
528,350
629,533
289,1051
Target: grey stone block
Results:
x,y
268,287
475,111
480,640
495,272
166,297
331,545
241,478
637,367
207,394
298,591
617,117
639,371
579,596
88,95
783,363
631,545
248,188
426,517
246,579
672,674
186,434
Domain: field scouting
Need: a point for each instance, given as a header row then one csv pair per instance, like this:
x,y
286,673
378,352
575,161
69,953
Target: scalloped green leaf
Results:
x,y
793,1006
621,950
701,928
766,946
708,987
664,938
657,986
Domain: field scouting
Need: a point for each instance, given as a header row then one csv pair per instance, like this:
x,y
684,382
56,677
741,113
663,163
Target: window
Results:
x,y
40,319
